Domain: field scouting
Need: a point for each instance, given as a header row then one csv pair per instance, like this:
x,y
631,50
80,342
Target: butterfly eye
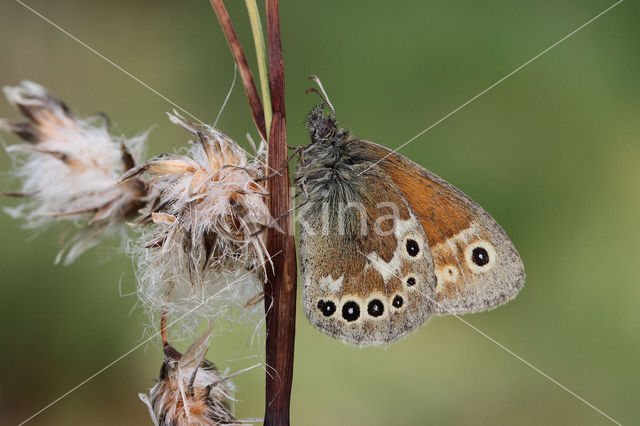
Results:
x,y
375,308
351,311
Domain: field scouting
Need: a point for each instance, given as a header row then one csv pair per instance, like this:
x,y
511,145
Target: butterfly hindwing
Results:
x,y
360,282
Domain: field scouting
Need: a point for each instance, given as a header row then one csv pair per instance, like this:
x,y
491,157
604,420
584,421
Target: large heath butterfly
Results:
x,y
385,243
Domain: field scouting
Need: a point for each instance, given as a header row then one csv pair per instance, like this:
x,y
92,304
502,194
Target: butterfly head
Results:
x,y
324,129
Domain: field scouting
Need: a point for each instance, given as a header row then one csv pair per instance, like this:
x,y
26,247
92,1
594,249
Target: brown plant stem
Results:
x,y
255,104
280,289
280,285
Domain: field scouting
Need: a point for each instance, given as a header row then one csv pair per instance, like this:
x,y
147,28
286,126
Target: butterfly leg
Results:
x,y
303,187
298,149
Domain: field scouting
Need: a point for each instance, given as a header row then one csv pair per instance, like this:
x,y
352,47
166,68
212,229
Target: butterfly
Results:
x,y
385,244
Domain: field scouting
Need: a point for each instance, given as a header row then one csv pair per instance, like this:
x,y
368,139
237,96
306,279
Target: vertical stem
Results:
x,y
280,288
261,56
247,78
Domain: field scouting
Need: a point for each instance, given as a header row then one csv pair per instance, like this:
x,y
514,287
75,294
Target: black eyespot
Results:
x,y
480,256
327,308
398,301
412,248
375,308
411,281
350,311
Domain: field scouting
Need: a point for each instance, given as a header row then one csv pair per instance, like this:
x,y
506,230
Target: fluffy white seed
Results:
x,y
201,250
68,168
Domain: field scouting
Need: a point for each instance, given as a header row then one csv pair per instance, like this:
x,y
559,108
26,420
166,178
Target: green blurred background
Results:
x,y
553,153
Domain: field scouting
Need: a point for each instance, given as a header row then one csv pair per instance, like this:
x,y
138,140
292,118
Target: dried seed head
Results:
x,y
203,239
190,390
68,168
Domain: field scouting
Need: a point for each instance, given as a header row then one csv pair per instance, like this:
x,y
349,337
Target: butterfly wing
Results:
x,y
475,263
363,287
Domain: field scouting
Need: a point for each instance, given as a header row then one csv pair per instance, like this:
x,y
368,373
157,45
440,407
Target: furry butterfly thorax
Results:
x,y
385,244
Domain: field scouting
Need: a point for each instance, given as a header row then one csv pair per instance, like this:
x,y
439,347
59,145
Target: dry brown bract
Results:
x,y
68,169
190,391
203,227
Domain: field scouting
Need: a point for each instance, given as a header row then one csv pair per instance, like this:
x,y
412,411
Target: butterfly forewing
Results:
x,y
475,263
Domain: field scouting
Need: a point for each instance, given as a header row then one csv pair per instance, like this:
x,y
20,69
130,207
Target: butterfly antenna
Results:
x,y
322,93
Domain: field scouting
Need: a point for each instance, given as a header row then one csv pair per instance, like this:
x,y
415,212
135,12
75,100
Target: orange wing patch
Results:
x,y
441,211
